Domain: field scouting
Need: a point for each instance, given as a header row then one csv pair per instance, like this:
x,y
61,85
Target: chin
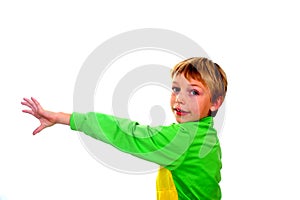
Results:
x,y
180,120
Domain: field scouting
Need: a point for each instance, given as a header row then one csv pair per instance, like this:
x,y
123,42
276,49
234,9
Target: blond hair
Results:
x,y
210,74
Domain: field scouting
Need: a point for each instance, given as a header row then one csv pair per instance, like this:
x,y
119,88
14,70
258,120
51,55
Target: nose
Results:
x,y
179,98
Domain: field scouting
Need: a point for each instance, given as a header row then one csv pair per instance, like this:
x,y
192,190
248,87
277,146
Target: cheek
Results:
x,y
204,106
196,107
172,99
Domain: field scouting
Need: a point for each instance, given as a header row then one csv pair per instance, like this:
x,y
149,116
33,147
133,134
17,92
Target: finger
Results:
x,y
38,129
29,102
26,104
36,103
28,111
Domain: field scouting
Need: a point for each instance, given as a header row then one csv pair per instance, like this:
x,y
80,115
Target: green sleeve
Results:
x,y
164,145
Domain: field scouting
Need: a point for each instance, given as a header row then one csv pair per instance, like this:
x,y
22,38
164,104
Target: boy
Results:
x,y
188,152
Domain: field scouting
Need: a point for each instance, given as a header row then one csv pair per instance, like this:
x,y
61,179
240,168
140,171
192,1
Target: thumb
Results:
x,y
38,129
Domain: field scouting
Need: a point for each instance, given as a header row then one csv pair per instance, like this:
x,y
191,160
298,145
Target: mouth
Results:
x,y
180,112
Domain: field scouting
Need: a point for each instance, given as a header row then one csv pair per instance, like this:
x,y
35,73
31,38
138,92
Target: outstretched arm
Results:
x,y
46,118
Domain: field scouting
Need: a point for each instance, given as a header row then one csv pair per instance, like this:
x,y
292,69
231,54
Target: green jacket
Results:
x,y
190,151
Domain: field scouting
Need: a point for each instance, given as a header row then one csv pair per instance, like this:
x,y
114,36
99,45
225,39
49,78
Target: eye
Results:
x,y
175,89
194,93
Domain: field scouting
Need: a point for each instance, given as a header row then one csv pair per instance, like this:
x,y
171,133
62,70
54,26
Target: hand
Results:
x,y
45,117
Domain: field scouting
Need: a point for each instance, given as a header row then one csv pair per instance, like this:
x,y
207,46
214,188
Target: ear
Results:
x,y
216,105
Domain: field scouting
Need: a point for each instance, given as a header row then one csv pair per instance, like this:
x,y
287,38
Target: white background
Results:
x,y
43,46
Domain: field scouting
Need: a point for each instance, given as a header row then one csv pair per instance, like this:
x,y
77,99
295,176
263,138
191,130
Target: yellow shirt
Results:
x,y
165,187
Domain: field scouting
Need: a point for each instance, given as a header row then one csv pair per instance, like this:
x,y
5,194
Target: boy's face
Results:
x,y
190,99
